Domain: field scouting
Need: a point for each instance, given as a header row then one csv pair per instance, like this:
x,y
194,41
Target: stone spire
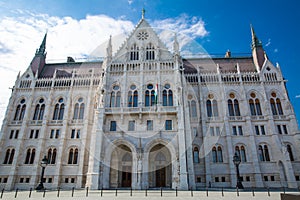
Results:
x,y
258,52
255,41
109,50
41,50
143,13
176,45
39,60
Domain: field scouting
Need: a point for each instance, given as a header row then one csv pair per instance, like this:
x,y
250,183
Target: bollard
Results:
x,y
2,193
16,194
87,192
72,191
222,192
29,196
58,190
130,191
44,194
101,191
237,191
207,191
161,191
116,194
176,192
283,189
253,191
268,191
192,192
146,193
299,188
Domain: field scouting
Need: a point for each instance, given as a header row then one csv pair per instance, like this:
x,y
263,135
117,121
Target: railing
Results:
x,y
236,118
36,122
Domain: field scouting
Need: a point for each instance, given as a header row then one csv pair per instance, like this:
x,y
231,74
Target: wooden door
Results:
x,y
161,177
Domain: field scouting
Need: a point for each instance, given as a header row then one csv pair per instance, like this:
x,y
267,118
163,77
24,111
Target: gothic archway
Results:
x,y
160,167
121,167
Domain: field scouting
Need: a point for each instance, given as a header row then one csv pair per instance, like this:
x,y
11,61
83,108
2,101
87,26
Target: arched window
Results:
x,y
133,96
151,95
9,156
59,110
51,156
196,155
30,155
39,110
212,106
241,152
289,150
20,110
167,96
150,55
193,108
134,52
233,105
217,154
73,156
115,97
263,153
275,104
79,109
254,104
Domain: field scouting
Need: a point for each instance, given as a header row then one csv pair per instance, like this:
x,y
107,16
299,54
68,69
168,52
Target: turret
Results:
x,y
258,52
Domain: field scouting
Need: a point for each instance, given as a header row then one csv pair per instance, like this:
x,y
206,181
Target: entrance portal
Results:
x,y
121,167
160,167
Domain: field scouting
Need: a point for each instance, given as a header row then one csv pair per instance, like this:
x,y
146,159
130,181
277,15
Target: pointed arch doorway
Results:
x,y
160,167
121,167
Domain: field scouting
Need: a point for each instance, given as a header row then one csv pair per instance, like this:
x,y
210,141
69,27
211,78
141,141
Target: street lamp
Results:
x,y
237,160
43,164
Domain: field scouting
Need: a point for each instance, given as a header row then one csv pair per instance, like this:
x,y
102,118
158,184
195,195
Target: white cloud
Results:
x,y
130,2
268,43
275,50
297,96
22,34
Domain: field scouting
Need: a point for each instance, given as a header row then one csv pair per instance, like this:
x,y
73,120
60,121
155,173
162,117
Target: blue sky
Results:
x,y
225,24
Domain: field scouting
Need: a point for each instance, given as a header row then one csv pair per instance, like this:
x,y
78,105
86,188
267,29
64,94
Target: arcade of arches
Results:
x,y
122,173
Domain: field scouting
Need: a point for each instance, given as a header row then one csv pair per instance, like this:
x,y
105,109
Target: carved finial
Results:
x,y
143,13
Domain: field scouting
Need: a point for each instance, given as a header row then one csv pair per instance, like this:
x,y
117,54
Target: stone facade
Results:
x,y
146,117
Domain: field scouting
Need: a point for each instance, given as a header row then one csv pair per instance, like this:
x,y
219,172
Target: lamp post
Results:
x,y
237,161
43,164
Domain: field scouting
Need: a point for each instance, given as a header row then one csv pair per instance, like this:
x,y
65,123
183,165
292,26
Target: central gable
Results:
x,y
142,44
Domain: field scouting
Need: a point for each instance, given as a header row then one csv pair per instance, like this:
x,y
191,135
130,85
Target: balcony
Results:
x,y
157,108
257,117
36,122
55,122
280,117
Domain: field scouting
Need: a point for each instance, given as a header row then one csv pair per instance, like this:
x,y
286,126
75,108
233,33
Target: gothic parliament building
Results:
x,y
146,117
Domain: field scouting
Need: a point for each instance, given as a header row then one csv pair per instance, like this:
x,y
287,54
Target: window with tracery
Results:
x,y
133,96
217,155
73,156
254,104
134,52
196,155
9,156
39,110
115,96
263,153
79,109
167,95
241,151
20,110
276,104
51,156
233,105
30,155
150,54
151,95
59,110
212,106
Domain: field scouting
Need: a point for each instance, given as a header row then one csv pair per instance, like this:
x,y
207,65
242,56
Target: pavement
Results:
x,y
142,194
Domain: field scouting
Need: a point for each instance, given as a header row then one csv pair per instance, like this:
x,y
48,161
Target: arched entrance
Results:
x,y
160,167
121,167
